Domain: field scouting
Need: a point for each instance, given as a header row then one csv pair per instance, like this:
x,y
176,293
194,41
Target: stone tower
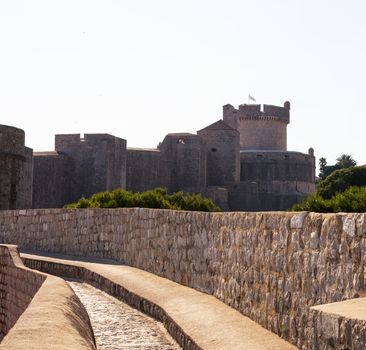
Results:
x,y
15,169
223,153
79,167
183,162
259,129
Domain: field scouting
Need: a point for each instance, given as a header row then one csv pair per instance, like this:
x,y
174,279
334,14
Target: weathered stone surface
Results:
x,y
118,326
270,266
38,311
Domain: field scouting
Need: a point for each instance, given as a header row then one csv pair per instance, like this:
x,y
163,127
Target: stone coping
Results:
x,y
196,320
55,318
341,325
354,309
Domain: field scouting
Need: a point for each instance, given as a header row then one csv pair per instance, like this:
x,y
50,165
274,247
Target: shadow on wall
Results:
x,y
37,310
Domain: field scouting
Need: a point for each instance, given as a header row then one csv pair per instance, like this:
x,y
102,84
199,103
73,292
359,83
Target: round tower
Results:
x,y
12,167
259,129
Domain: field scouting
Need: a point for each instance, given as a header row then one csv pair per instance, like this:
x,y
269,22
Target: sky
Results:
x,y
139,69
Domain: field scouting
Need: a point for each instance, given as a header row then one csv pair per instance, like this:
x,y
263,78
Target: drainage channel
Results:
x,y
118,326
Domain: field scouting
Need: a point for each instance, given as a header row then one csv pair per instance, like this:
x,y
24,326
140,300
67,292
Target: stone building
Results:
x,y
16,169
240,161
78,168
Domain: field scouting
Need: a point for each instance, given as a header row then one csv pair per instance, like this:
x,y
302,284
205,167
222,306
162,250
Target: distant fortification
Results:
x,y
15,169
240,161
78,168
260,129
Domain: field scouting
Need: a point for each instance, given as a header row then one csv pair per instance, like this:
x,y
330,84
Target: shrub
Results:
x,y
156,198
352,199
340,180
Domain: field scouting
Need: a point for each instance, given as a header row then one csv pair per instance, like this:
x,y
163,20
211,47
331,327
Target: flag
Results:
x,y
251,98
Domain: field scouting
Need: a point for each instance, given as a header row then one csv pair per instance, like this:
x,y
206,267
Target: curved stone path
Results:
x,y
118,326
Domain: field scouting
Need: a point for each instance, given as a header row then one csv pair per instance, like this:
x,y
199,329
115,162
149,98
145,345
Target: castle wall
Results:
x,y
183,163
277,166
267,195
223,155
262,134
259,129
27,179
272,180
142,169
99,162
53,178
271,267
15,169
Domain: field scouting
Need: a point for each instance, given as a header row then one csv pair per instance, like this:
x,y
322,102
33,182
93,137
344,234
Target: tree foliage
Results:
x,y
157,198
340,180
343,161
352,200
342,191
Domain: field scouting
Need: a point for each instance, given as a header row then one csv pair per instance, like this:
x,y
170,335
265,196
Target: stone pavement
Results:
x,y
195,319
117,326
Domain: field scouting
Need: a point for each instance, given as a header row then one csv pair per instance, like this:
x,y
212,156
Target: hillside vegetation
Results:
x,y
157,198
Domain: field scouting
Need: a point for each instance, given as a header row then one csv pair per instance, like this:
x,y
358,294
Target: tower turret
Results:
x,y
259,129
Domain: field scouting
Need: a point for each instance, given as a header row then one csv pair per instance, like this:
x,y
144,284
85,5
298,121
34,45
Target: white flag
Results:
x,y
251,98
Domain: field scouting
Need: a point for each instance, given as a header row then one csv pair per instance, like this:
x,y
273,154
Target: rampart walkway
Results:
x,y
117,325
196,320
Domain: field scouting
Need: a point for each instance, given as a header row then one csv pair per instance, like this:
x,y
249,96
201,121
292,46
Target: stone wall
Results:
x,y
38,311
142,172
259,129
79,167
277,166
271,267
15,169
272,180
53,176
183,163
223,153
17,288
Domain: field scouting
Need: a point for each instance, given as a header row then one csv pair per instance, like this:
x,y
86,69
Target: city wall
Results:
x,y
38,311
270,266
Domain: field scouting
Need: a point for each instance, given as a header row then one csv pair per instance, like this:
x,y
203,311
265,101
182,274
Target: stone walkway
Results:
x,y
118,326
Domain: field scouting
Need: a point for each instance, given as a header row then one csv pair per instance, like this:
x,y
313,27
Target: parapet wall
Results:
x,y
38,311
271,266
18,286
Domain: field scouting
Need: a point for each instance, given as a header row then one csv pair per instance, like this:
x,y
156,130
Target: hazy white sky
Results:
x,y
139,69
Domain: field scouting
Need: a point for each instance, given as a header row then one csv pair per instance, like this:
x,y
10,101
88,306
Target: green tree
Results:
x,y
340,180
322,167
342,191
345,161
352,200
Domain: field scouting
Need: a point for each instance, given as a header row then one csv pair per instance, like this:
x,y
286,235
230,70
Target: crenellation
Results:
x,y
66,141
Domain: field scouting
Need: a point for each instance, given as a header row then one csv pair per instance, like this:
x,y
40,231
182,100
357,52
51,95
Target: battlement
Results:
x,y
70,141
254,111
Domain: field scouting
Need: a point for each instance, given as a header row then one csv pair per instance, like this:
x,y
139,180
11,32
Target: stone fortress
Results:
x,y
240,161
298,275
